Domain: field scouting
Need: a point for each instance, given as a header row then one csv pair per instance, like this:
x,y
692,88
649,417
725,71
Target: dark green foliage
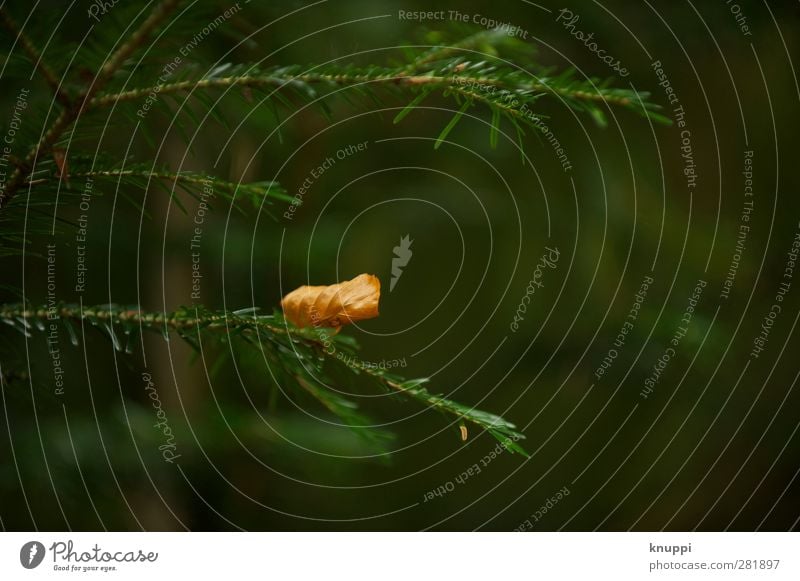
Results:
x,y
301,356
487,71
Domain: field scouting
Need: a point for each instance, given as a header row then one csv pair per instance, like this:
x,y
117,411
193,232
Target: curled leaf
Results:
x,y
333,305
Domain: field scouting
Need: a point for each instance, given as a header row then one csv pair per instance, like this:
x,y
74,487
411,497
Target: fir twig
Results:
x,y
187,323
71,112
35,56
189,181
398,80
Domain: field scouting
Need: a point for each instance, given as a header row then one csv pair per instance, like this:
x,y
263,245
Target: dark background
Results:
x,y
714,447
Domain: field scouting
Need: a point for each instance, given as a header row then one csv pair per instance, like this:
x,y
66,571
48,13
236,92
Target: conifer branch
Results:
x,y
509,87
161,11
181,321
261,330
35,56
399,80
71,112
188,180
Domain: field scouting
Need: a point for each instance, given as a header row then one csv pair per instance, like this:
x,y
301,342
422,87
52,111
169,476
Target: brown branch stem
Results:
x,y
73,111
402,80
33,53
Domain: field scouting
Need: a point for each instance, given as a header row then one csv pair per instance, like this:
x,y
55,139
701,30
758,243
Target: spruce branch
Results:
x,y
485,42
181,321
72,111
509,87
508,92
35,56
159,13
380,77
193,183
345,410
297,351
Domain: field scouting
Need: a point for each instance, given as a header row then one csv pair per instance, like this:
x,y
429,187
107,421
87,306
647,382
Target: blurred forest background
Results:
x,y
714,445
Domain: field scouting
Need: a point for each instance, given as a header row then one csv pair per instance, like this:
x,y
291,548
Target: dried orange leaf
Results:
x,y
334,305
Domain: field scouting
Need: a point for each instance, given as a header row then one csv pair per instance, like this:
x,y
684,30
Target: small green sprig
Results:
x,y
301,355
